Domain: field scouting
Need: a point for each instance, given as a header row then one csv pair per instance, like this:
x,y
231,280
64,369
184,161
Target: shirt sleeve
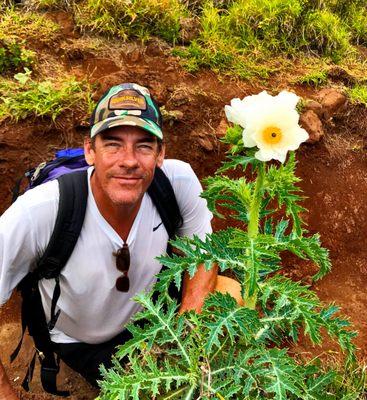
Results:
x,y
25,229
193,208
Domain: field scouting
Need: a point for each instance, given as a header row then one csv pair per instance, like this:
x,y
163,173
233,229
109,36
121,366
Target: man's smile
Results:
x,y
128,179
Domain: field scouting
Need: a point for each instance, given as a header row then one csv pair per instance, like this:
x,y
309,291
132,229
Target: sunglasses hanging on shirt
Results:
x,y
123,264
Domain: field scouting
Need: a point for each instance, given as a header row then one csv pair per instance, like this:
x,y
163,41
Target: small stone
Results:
x,y
332,101
315,106
172,115
206,143
221,128
135,55
171,68
189,29
312,124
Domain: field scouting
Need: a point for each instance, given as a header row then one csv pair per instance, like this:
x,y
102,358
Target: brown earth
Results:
x,y
333,171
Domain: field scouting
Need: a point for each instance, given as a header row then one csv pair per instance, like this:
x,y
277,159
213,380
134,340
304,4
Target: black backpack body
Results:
x,y
73,187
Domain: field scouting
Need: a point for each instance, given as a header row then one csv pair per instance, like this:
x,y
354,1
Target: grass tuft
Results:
x,y
325,33
16,25
314,78
133,18
358,94
25,98
14,56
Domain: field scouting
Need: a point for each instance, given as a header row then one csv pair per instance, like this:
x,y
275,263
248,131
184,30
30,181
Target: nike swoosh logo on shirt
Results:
x,y
156,227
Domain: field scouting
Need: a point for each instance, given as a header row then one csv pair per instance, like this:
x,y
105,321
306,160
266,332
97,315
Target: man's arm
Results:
x,y
197,288
6,390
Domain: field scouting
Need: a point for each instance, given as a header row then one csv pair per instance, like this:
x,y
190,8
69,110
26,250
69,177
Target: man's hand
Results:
x,y
6,390
197,288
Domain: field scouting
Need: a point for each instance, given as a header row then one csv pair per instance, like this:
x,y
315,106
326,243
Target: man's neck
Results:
x,y
120,216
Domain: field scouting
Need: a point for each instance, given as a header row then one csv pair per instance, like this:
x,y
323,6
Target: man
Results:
x,y
95,303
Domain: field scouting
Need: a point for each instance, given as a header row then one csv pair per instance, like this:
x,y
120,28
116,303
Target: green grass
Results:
x,y
349,383
326,34
14,56
247,36
314,78
132,19
24,98
17,24
357,22
358,94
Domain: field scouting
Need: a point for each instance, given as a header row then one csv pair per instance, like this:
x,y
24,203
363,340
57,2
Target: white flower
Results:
x,y
269,122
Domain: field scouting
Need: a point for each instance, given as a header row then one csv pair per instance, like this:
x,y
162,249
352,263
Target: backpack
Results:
x,y
70,169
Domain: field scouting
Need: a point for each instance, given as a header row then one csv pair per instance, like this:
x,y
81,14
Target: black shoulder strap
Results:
x,y
73,188
164,199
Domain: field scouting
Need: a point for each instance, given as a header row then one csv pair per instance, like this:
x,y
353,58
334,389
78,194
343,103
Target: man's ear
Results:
x,y
89,151
161,155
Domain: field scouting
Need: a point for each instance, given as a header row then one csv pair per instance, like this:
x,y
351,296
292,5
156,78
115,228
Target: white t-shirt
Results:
x,y
92,310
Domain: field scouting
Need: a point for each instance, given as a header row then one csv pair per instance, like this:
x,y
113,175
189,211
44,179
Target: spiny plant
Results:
x,y
230,351
23,97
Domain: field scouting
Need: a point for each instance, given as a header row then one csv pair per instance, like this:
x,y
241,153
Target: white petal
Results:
x,y
295,137
289,99
280,155
235,112
264,155
248,141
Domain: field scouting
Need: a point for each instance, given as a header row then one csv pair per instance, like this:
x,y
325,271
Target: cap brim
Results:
x,y
129,120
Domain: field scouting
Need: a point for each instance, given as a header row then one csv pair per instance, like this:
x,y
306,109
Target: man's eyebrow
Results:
x,y
110,137
147,139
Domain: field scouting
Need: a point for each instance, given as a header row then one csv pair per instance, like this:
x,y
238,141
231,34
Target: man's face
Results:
x,y
124,159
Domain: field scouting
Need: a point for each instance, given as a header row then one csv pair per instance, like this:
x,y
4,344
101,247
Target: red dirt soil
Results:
x,y
333,174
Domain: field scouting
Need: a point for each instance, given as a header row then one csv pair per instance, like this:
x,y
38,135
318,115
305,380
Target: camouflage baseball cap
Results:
x,y
127,104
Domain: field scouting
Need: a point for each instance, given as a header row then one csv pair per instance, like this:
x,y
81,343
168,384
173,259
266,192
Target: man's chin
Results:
x,y
126,199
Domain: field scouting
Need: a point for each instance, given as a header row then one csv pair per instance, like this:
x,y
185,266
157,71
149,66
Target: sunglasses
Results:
x,y
122,264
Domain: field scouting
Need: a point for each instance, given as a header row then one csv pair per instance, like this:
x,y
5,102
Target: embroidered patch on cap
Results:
x,y
127,100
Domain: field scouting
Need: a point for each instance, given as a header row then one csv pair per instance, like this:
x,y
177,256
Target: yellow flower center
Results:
x,y
272,135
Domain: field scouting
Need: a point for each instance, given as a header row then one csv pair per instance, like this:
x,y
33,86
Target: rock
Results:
x,y
179,97
315,106
172,115
189,29
311,122
221,128
206,143
157,47
135,55
332,101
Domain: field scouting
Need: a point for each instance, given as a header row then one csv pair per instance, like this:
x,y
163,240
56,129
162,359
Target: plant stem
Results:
x,y
253,225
